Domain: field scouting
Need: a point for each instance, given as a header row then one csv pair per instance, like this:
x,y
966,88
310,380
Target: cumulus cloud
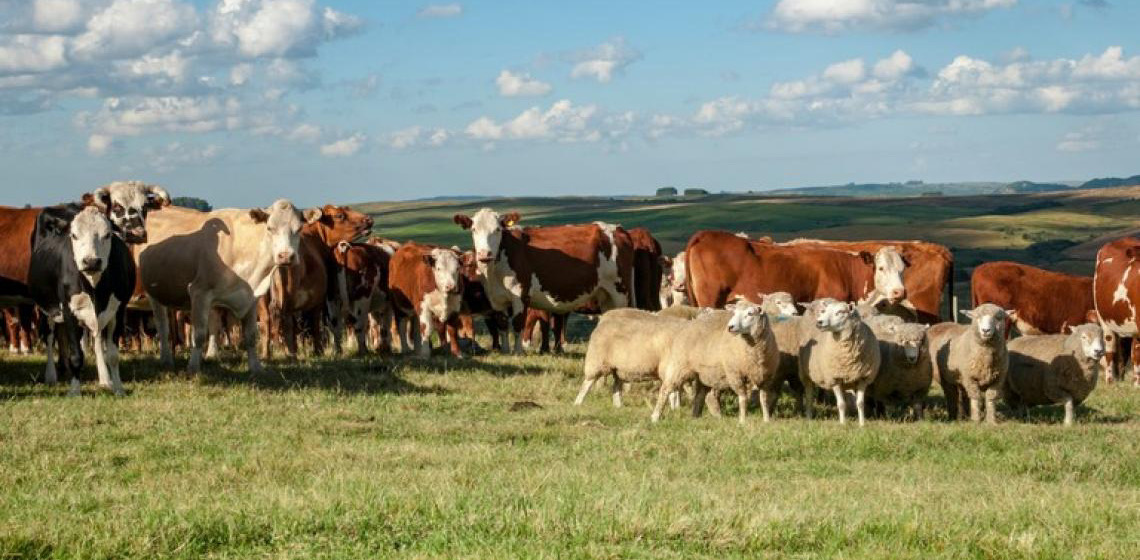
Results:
x,y
417,137
605,61
259,28
563,122
520,85
836,16
99,144
345,147
454,9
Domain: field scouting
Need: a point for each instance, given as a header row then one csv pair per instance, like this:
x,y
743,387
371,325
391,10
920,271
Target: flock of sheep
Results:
x,y
841,348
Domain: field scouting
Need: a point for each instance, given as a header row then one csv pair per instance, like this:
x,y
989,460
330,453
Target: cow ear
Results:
x,y
1066,329
868,258
100,198
55,224
1132,252
463,220
906,261
509,219
260,216
430,260
156,197
311,215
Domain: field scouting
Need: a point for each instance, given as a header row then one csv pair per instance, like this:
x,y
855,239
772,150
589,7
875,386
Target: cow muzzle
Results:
x,y
285,258
92,265
135,235
896,296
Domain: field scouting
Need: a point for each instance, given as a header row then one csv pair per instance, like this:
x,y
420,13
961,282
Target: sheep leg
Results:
x,y
700,392
767,403
712,401
840,403
742,399
662,395
807,402
617,389
951,392
860,403
587,384
991,406
674,400
1069,406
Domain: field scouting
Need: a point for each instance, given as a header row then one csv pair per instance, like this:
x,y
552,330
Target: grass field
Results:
x,y
378,458
487,458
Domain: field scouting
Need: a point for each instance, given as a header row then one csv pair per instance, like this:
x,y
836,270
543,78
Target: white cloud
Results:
x,y
846,72
133,27
344,147
99,144
55,16
304,132
20,54
835,16
454,9
416,136
520,85
123,117
563,122
604,61
259,28
168,70
896,66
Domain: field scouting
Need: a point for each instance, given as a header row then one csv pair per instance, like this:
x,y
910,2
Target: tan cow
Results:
x,y
224,258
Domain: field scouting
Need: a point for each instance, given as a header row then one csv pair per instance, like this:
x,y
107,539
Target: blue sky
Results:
x,y
244,101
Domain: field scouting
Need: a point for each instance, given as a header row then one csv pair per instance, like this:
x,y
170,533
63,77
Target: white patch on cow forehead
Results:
x,y
130,194
485,220
90,221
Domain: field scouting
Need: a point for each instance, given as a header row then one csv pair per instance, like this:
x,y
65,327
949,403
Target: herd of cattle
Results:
x,y
861,320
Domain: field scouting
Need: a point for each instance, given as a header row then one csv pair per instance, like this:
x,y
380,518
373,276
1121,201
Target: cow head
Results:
x,y
780,304
911,337
889,265
341,223
487,232
989,321
747,318
283,223
91,236
126,204
678,272
444,265
835,316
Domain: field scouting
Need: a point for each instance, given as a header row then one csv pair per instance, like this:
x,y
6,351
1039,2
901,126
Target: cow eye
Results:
x,y
340,216
74,237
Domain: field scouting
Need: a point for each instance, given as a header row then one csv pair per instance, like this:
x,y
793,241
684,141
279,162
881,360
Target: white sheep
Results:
x,y
779,304
905,371
970,361
735,351
843,355
1052,369
681,312
630,345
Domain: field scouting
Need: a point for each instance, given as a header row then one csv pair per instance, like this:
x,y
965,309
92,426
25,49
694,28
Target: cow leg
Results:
x,y
265,321
360,332
1136,361
162,326
558,328
426,329
517,322
111,357
249,338
452,331
48,330
200,306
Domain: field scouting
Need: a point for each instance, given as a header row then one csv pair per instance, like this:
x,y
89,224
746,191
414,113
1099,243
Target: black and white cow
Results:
x,y
81,276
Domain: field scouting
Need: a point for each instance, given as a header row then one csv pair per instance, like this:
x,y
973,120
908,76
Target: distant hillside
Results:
x,y
919,188
1108,182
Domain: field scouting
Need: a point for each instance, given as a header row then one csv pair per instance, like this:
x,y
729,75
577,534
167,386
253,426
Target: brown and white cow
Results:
x,y
929,272
556,268
308,287
476,304
19,322
224,258
1116,293
674,290
647,269
364,281
721,266
425,286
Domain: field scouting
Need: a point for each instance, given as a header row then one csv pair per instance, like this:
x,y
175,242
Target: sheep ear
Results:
x,y
1011,314
967,313
1067,329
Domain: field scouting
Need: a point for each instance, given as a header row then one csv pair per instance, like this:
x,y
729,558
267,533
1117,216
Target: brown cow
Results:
x,y
929,273
1116,293
425,286
1046,302
18,324
722,265
302,288
557,269
647,269
364,278
475,303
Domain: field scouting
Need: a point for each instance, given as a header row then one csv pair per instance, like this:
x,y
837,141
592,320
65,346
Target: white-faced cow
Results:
x,y
225,258
425,285
81,275
557,269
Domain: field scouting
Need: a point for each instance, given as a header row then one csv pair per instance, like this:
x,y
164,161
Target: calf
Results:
x,y
1116,293
557,269
364,282
476,304
425,284
81,275
224,258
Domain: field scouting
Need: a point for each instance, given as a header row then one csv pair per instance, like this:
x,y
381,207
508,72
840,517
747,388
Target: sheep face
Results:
x,y
747,318
1092,341
912,338
836,316
812,309
780,304
989,321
